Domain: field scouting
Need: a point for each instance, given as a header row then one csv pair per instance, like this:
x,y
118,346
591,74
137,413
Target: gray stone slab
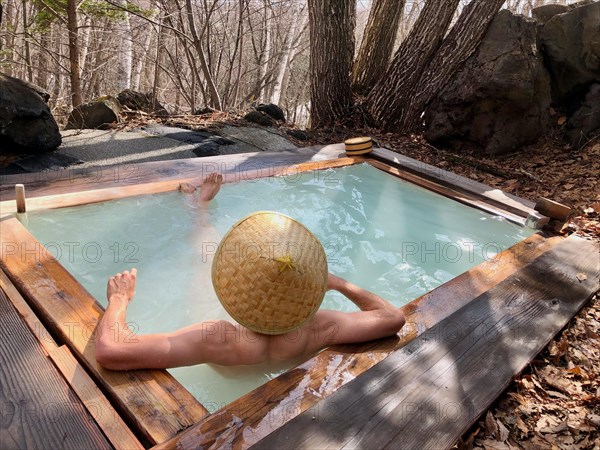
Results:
x,y
102,148
92,148
46,161
249,139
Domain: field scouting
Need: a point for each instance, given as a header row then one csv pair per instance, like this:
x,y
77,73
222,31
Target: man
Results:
x,y
224,343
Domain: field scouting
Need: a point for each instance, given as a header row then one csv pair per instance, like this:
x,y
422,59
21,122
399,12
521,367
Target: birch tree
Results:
x,y
125,53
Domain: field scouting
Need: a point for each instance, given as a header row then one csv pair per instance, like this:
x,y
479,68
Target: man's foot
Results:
x,y
210,186
187,188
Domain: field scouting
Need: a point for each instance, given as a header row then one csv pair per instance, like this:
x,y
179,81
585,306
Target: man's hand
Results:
x,y
122,286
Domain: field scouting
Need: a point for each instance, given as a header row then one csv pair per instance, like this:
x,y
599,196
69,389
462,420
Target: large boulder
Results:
x,y
546,12
500,98
26,122
137,101
259,118
570,43
585,121
274,111
97,114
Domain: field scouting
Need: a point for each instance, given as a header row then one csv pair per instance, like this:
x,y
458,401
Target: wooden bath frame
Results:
x,y
154,404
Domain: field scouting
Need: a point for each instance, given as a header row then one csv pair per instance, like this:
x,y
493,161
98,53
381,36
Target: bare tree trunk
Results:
x,y
461,42
331,54
243,6
10,38
292,57
388,98
125,52
228,97
159,44
57,72
42,72
76,94
85,45
212,88
407,22
377,45
285,56
139,65
26,43
266,53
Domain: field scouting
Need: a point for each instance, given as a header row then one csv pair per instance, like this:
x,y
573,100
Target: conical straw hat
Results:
x,y
270,273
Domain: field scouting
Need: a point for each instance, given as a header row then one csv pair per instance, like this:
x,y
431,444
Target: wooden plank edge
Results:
x,y
466,199
80,179
553,209
504,200
254,421
29,317
8,208
544,342
107,418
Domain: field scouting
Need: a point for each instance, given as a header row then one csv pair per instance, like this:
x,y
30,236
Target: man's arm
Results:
x,y
119,348
378,318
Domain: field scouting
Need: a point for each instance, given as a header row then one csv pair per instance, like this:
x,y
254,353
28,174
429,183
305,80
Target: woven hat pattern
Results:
x,y
270,273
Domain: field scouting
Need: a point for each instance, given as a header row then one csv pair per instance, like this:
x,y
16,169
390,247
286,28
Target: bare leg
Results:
x,y
205,239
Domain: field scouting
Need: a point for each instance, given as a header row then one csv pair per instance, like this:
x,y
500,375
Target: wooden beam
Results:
x,y
508,202
428,393
39,410
92,397
260,412
453,194
77,179
153,401
37,328
20,195
84,197
553,209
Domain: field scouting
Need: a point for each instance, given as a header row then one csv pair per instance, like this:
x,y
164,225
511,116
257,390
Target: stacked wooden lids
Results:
x,y
270,273
358,146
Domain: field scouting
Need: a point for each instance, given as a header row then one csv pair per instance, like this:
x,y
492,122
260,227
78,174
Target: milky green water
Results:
x,y
386,235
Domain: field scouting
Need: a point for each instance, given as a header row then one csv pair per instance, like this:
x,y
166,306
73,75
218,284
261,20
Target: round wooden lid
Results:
x,y
358,140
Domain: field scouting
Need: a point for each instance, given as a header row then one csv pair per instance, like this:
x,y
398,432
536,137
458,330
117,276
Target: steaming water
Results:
x,y
389,236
